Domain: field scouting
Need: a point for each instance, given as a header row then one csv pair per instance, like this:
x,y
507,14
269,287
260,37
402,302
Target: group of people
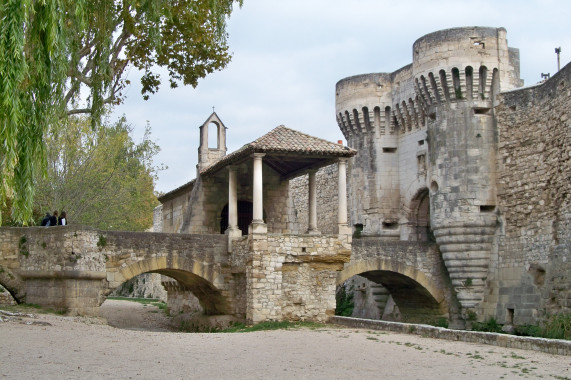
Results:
x,y
54,220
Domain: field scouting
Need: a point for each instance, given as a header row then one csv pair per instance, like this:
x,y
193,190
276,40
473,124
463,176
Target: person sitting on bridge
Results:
x,y
62,221
46,220
53,219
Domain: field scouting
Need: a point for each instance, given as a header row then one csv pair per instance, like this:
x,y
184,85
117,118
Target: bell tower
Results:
x,y
207,155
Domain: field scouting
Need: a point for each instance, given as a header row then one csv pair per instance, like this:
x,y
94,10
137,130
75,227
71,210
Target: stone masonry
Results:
x,y
449,151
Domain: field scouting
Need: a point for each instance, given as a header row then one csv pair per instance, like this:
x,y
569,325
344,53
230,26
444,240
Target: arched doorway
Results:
x,y
245,216
420,218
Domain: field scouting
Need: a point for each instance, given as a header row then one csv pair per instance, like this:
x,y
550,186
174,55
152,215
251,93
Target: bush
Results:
x,y
344,302
491,325
557,326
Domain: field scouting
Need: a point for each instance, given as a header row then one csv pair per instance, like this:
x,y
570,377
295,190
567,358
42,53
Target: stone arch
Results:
x,y
204,281
12,284
213,135
415,294
419,216
245,216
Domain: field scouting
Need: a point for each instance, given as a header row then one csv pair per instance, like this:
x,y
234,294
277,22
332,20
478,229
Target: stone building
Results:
x,y
278,271
456,176
449,150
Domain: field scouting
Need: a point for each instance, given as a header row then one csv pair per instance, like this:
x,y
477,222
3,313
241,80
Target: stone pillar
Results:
x,y
233,231
312,206
232,199
258,225
344,229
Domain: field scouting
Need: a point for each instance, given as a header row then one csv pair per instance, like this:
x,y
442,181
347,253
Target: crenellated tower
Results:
x,y
427,141
457,94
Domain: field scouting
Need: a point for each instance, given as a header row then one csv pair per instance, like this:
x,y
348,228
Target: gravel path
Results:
x,y
55,347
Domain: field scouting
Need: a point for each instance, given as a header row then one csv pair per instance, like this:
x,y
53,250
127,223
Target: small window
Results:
x,y
487,208
420,142
510,316
481,111
389,150
390,225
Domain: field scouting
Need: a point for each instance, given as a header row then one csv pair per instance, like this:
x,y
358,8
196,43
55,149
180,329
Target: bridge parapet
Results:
x,y
72,268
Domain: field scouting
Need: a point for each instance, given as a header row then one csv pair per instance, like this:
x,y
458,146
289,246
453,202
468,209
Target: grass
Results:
x,y
271,325
556,326
145,301
29,308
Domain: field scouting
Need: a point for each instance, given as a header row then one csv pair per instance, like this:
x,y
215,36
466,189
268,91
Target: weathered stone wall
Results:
x,y
5,297
180,300
427,130
158,219
327,200
531,271
293,276
73,268
56,266
173,211
238,261
146,285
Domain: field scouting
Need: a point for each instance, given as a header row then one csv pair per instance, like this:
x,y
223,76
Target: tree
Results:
x,y
100,178
52,51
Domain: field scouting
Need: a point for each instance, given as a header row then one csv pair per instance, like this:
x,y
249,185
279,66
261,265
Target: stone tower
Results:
x,y
209,155
427,140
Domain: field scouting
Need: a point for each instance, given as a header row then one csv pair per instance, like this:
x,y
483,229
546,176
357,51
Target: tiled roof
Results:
x,y
282,139
285,140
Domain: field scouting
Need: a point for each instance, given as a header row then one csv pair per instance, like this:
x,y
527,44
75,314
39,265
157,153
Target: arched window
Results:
x,y
245,216
213,130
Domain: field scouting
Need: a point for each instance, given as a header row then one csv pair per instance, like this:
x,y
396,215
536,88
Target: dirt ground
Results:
x,y
141,347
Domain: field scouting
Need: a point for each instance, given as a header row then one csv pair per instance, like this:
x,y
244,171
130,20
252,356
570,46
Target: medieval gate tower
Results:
x,y
427,141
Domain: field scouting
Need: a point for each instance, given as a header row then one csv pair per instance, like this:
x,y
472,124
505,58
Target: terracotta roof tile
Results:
x,y
285,140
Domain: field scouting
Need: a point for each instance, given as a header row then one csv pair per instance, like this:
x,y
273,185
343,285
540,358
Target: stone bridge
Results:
x,y
413,273
74,269
266,277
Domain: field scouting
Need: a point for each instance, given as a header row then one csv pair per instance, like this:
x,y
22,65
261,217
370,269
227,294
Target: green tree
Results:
x,y
52,51
101,178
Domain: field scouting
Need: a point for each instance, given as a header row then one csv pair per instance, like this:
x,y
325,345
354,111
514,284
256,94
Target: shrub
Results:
x,y
344,302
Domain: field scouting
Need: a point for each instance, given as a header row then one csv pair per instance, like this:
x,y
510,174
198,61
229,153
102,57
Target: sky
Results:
x,y
289,54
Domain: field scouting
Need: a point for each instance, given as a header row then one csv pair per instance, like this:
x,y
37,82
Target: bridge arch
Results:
x,y
12,284
415,293
204,281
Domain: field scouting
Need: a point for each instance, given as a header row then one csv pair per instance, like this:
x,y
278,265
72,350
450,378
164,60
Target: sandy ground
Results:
x,y
55,347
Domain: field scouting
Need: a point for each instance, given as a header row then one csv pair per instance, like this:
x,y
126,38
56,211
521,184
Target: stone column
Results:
x,y
312,206
258,225
233,231
344,229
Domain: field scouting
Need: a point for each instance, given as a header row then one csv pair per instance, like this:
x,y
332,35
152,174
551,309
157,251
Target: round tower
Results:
x,y
457,74
363,110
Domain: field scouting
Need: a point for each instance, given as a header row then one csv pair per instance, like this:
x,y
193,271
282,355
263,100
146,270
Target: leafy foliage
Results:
x,y
100,178
52,51
344,301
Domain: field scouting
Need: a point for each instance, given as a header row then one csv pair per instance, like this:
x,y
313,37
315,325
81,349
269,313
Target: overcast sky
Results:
x,y
289,54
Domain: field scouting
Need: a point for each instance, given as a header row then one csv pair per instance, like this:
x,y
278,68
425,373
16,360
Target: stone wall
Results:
x,y
5,297
327,200
158,219
146,285
533,261
180,299
293,276
73,268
